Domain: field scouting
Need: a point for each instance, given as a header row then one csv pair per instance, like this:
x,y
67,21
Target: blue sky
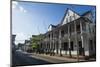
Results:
x,y
33,18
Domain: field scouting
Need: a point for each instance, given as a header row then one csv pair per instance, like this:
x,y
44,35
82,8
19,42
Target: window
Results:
x,y
66,31
80,44
74,16
72,28
62,33
66,20
65,46
49,35
54,45
68,13
83,26
70,18
78,28
71,46
91,45
52,35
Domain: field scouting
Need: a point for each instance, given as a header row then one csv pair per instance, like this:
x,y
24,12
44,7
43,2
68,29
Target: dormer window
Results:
x,y
74,16
68,13
49,35
67,20
62,33
70,18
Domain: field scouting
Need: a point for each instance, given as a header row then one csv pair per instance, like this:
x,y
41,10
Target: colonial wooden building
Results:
x,y
27,46
76,34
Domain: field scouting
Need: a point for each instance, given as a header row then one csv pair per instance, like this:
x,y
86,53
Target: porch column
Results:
x,y
60,42
76,43
87,46
94,40
50,43
82,39
57,42
46,46
43,46
54,43
69,41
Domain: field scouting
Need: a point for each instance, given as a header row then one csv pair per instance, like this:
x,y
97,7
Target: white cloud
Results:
x,y
15,5
25,11
21,8
21,37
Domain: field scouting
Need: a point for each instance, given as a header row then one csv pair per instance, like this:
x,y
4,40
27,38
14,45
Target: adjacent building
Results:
x,y
75,35
13,42
27,46
20,46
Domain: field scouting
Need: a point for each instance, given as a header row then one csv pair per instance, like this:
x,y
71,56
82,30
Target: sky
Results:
x,y
30,18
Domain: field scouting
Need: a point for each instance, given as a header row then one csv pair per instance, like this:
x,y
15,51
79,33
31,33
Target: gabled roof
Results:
x,y
86,13
81,15
52,25
66,12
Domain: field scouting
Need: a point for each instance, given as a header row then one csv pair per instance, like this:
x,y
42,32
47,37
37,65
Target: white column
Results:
x,y
82,38
69,35
69,41
87,51
53,42
81,33
60,41
76,40
50,42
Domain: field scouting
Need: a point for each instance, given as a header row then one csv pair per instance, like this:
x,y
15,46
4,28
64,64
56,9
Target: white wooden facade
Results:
x,y
76,34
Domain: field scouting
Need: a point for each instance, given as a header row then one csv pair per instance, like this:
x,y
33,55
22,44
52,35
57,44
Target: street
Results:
x,y
21,59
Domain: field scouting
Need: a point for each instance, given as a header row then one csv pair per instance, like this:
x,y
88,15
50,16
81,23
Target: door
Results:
x,y
80,47
65,47
57,47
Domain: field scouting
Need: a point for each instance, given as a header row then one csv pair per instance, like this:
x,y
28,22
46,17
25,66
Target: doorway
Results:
x,y
80,47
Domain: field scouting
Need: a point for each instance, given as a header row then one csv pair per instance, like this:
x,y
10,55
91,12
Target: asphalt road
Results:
x,y
21,59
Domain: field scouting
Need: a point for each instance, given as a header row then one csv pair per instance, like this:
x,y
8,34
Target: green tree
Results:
x,y
35,39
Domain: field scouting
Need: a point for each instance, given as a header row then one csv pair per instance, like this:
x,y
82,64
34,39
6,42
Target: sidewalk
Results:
x,y
55,59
